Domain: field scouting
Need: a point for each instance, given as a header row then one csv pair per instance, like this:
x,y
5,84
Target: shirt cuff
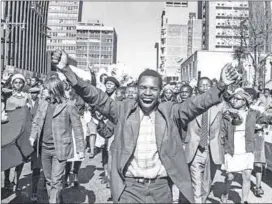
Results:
x,y
70,75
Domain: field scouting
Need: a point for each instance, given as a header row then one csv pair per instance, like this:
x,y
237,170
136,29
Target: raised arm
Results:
x,y
190,109
89,93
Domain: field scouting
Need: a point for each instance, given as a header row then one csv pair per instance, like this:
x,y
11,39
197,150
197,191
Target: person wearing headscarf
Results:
x,y
237,134
167,94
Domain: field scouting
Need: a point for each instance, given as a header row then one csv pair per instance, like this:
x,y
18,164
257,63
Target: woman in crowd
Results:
x,y
167,94
238,132
16,99
52,133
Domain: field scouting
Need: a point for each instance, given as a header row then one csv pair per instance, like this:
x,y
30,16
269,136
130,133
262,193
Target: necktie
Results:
x,y
204,130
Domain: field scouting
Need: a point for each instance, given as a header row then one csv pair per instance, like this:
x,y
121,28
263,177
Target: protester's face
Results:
x,y
110,87
177,89
103,78
28,81
168,94
214,83
204,85
148,92
18,84
119,95
185,93
33,82
34,96
238,101
131,92
266,93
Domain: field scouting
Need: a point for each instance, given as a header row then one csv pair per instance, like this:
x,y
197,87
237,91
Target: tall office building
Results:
x,y
221,24
180,35
23,39
63,17
96,45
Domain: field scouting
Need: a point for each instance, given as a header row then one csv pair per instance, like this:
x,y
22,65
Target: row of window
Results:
x,y
62,21
67,15
95,56
92,32
94,48
62,8
56,34
61,47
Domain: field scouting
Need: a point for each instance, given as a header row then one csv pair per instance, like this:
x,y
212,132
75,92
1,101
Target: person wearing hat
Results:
x,y
237,134
18,98
111,84
34,100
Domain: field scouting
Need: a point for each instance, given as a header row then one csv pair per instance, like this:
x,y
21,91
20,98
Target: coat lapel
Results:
x,y
160,126
59,108
213,112
199,120
135,121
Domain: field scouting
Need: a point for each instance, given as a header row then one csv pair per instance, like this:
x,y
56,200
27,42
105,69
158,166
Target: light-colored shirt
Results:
x,y
239,135
146,162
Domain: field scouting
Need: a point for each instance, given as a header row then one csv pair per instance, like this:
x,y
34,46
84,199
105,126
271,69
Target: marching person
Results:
x,y
185,92
147,150
203,149
238,132
52,134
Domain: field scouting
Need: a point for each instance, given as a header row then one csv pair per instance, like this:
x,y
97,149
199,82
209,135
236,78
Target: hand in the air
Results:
x,y
59,59
229,74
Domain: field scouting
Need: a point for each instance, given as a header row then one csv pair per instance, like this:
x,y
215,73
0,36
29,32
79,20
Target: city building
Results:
x,y
222,24
180,36
63,17
96,45
23,40
206,63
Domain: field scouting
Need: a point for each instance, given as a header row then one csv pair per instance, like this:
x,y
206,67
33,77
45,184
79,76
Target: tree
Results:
x,y
254,36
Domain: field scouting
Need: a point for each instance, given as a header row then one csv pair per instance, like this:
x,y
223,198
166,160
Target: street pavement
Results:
x,y
92,191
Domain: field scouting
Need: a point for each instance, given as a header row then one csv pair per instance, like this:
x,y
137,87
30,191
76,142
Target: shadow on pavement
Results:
x,y
267,177
86,174
78,195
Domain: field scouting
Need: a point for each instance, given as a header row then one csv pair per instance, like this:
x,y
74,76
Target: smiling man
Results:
x,y
147,150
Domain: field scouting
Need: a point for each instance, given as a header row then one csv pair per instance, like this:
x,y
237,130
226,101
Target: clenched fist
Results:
x,y
229,74
59,59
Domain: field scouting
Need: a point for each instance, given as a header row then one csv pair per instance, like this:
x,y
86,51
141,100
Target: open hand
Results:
x,y
229,74
59,59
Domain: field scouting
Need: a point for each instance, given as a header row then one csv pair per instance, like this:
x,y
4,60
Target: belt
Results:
x,y
202,149
146,180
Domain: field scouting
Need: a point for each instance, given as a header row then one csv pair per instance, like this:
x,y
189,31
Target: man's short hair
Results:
x,y
203,78
151,73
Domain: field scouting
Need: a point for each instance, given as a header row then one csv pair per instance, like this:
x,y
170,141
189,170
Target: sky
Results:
x,y
138,29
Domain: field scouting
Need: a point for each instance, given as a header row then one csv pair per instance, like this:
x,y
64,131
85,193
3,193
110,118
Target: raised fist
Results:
x,y
59,59
229,74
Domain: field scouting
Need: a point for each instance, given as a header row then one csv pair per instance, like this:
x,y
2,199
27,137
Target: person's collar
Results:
x,y
150,115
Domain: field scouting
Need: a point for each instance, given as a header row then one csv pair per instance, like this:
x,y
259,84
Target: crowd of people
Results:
x,y
160,143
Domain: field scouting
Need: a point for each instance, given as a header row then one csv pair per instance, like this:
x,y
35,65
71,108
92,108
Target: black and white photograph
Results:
x,y
117,101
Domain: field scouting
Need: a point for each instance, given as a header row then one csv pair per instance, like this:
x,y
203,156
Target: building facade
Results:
x,y
180,36
222,24
96,45
24,38
63,17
